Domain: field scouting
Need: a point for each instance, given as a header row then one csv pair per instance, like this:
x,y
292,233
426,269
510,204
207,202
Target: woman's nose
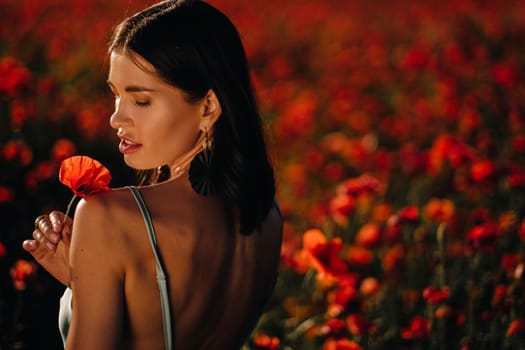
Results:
x,y
119,118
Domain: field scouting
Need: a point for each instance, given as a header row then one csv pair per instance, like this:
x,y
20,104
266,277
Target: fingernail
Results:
x,y
50,245
53,237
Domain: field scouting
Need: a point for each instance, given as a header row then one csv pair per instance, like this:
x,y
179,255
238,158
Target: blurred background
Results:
x,y
397,129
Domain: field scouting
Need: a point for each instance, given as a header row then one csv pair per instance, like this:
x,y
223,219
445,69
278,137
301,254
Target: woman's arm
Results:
x,y
96,278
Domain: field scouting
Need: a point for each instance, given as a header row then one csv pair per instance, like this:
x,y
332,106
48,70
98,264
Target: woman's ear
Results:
x,y
212,111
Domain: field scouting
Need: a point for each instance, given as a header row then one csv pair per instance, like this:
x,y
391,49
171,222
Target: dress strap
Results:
x,y
161,275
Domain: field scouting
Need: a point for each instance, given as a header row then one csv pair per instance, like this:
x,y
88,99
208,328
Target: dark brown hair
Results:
x,y
195,47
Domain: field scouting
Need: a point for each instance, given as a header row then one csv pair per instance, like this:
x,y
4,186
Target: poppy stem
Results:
x,y
68,209
442,254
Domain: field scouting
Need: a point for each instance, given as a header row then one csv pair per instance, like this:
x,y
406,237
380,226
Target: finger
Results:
x,y
39,219
57,220
30,245
61,224
45,225
64,225
42,222
37,235
35,249
42,239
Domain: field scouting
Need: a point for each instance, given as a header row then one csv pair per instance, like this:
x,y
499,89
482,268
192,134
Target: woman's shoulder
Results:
x,y
102,222
112,199
104,207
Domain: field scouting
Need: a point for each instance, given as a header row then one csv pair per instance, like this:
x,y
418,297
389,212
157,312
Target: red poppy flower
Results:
x,y
84,175
444,312
341,344
326,259
482,170
504,74
521,230
6,194
62,149
3,251
500,295
368,235
342,297
418,329
358,324
340,208
434,295
263,341
393,257
441,210
409,214
369,286
334,327
359,256
15,76
363,184
22,272
483,236
516,327
515,176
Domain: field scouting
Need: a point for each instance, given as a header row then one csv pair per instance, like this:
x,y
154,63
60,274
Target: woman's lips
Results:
x,y
127,146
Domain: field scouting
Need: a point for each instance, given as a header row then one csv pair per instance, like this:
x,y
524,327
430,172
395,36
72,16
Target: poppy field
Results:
x,y
397,130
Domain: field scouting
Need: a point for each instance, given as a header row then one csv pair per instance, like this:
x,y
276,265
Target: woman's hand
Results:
x,y
50,246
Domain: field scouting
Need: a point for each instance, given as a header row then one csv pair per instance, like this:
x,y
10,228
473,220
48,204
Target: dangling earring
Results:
x,y
162,173
199,173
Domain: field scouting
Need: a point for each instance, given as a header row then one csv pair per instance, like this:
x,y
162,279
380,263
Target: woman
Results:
x,y
184,107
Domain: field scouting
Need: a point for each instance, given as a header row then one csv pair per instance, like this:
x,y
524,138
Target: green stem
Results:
x,y
69,207
441,246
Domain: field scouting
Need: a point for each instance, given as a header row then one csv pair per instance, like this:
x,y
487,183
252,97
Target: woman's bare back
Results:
x,y
219,280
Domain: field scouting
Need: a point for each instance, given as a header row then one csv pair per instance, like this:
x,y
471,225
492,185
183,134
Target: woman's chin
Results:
x,y
136,165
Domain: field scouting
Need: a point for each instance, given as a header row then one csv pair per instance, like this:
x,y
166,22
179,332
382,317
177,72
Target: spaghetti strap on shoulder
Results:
x,y
161,274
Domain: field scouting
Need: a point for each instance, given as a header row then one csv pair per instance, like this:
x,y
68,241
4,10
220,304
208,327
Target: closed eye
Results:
x,y
142,103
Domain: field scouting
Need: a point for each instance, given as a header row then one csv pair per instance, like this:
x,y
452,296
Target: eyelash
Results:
x,y
137,103
142,104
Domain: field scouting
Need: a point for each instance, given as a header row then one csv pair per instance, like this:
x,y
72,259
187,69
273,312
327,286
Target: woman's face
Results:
x,y
154,122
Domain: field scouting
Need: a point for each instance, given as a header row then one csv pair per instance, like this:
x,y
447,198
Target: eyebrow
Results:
x,y
133,88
